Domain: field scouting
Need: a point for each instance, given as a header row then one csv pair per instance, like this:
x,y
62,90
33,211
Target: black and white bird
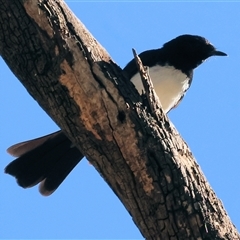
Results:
x,y
49,159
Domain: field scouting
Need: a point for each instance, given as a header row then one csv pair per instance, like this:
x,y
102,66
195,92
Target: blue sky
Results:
x,y
208,119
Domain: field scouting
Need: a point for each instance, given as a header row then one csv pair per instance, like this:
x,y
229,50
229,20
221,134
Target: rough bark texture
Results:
x,y
144,161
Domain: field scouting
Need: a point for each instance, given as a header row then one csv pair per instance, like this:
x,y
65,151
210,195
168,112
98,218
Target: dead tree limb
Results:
x,y
145,161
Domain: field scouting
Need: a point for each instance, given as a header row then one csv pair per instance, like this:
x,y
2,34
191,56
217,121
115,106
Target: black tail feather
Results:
x,y
50,162
59,172
17,150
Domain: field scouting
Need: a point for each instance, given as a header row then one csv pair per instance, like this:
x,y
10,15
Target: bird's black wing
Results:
x,y
148,58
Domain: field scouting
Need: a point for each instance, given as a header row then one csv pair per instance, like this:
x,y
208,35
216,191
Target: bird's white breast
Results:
x,y
169,83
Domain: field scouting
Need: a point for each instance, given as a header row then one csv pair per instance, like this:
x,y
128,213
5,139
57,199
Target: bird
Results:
x,y
49,159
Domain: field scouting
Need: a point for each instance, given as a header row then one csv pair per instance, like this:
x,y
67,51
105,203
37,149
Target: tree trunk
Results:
x,y
142,157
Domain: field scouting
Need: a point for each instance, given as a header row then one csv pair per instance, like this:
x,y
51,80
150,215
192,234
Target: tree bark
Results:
x,y
142,158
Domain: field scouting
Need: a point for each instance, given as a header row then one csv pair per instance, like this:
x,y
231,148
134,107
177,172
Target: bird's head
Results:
x,y
189,51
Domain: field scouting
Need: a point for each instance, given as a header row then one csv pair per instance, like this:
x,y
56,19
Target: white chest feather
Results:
x,y
169,83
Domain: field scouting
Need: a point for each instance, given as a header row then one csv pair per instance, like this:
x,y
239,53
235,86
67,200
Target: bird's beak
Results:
x,y
218,53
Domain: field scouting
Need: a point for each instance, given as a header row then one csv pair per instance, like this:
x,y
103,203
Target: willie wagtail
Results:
x,y
49,159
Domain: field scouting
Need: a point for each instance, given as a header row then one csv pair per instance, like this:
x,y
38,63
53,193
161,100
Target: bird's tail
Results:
x,y
46,160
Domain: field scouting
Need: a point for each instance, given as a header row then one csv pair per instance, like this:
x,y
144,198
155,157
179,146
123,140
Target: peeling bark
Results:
x,y
143,159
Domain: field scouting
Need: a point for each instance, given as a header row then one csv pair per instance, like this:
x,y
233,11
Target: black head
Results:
x,y
186,52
